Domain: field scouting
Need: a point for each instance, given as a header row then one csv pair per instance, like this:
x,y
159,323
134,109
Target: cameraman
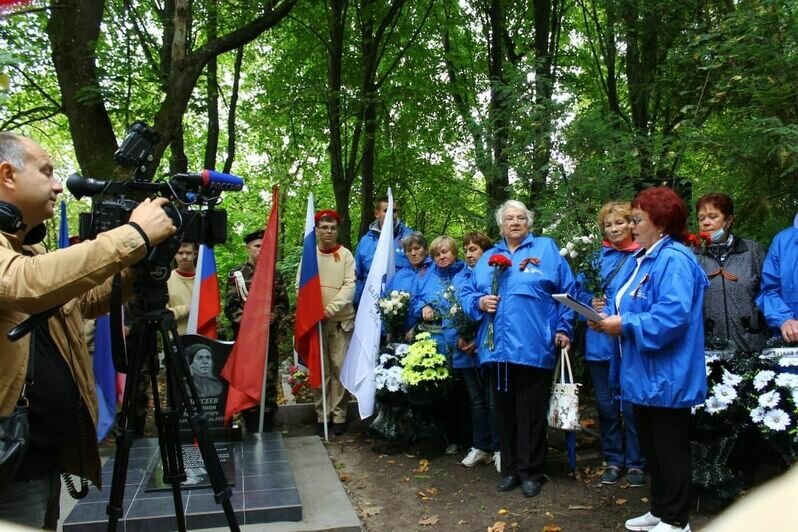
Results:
x,y
63,404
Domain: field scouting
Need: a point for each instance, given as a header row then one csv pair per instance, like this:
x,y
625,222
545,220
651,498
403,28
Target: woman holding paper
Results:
x,y
521,330
619,441
661,330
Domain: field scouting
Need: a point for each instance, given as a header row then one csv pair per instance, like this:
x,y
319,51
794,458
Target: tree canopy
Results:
x,y
456,106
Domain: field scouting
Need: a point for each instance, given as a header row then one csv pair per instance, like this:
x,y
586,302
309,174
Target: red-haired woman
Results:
x,y
660,325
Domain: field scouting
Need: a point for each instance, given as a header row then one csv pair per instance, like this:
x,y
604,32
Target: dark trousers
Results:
x,y
481,395
665,440
522,400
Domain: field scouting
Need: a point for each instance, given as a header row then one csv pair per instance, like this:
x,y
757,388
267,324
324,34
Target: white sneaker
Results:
x,y
642,522
665,527
475,456
497,461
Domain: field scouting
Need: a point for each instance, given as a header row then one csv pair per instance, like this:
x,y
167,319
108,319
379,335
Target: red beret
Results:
x,y
329,213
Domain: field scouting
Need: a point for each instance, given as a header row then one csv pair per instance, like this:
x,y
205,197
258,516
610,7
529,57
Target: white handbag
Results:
x,y
564,403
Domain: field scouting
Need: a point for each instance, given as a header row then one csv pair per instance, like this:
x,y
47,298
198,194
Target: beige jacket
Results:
x,y
79,278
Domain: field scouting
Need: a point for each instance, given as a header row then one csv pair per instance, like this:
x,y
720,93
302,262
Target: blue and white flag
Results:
x,y
357,373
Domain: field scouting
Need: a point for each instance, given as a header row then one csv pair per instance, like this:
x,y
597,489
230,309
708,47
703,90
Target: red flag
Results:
x,y
244,370
309,305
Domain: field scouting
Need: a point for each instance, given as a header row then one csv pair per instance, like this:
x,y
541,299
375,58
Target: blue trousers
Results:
x,y
619,440
484,423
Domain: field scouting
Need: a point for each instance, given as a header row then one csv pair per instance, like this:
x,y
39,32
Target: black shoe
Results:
x,y
339,428
508,483
530,488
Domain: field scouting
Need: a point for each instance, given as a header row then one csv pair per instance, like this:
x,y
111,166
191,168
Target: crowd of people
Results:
x,y
662,291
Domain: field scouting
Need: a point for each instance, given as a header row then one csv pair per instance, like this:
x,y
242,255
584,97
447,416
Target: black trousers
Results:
x,y
522,400
664,435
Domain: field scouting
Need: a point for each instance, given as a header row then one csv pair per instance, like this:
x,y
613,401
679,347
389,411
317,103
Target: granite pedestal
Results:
x,y
265,491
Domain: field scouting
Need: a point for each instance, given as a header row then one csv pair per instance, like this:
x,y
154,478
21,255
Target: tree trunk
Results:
x,y
231,115
497,181
212,142
73,29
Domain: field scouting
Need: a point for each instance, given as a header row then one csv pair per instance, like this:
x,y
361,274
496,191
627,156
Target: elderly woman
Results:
x,y
616,422
734,268
484,427
433,297
661,330
527,328
417,253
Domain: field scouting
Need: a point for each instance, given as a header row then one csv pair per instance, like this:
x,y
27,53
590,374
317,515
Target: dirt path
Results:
x,y
417,487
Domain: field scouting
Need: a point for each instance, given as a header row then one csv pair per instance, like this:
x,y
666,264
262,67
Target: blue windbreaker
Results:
x,y
431,289
778,295
600,347
662,335
403,281
364,253
527,317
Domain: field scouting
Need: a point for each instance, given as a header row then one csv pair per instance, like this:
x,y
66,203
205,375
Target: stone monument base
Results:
x,y
264,491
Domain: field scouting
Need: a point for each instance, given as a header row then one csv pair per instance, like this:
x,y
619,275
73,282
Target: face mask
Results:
x,y
718,236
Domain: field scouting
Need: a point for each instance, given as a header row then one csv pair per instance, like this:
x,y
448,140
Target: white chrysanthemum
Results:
x,y
585,240
379,379
731,379
770,399
385,357
709,359
563,252
763,378
394,294
776,419
573,254
569,246
715,405
788,380
726,394
696,408
401,349
788,362
757,414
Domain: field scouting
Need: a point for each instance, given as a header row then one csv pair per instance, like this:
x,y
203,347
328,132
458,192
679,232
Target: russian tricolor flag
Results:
x,y
309,305
104,372
205,302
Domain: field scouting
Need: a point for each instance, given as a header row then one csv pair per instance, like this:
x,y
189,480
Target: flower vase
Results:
x,y
388,423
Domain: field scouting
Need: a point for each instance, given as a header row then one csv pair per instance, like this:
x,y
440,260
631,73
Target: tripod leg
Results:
x,y
178,365
167,419
124,439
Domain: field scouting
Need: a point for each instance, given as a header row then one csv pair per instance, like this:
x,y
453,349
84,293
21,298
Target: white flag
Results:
x,y
357,373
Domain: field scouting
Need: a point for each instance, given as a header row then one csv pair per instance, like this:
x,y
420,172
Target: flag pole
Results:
x,y
262,409
323,383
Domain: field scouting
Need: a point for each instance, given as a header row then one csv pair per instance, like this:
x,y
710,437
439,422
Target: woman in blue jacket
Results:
x,y
778,297
528,328
619,441
661,329
433,297
417,253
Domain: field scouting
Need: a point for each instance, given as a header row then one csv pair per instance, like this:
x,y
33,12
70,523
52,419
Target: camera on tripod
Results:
x,y
193,199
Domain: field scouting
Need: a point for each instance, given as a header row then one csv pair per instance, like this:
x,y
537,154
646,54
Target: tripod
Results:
x,y
152,319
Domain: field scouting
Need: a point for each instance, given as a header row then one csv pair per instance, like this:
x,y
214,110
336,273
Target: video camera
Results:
x,y
193,198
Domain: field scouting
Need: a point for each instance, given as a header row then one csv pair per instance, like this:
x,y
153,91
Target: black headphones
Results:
x,y
11,222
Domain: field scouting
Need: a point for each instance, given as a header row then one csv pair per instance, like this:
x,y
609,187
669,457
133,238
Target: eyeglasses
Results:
x,y
326,229
510,219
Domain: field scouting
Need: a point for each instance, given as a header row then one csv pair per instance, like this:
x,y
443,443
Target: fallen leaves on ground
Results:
x,y
372,510
423,466
620,501
579,507
498,526
343,476
502,511
428,521
552,528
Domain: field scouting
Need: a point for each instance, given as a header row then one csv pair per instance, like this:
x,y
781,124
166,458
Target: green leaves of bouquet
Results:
x,y
423,364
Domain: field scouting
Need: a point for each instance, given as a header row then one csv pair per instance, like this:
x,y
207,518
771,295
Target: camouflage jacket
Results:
x,y
234,303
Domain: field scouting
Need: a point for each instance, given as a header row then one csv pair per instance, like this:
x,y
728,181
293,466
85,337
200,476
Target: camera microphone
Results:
x,y
218,181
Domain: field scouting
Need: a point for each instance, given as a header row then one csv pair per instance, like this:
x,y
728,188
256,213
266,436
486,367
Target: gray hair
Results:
x,y
414,238
517,205
12,149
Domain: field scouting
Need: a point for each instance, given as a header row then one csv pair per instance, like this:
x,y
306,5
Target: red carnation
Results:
x,y
500,261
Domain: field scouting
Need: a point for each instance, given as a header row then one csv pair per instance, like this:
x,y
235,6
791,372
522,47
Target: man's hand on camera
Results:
x,y
153,220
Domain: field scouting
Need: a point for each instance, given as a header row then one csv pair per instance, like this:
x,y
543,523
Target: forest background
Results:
x,y
456,105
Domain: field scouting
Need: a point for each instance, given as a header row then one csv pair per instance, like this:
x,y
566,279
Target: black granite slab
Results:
x,y
264,492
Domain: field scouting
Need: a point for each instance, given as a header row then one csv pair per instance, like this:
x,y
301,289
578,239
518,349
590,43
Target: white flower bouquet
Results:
x,y
394,309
